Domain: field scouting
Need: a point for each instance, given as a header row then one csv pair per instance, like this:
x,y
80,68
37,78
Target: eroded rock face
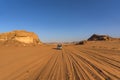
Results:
x,y
20,36
96,37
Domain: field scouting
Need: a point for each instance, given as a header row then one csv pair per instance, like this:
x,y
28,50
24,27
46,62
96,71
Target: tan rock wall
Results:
x,y
21,36
24,39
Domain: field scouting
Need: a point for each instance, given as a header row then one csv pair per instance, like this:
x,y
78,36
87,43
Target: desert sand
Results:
x,y
96,60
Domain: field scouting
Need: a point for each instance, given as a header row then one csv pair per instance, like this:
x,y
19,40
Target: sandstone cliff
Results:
x,y
20,36
96,37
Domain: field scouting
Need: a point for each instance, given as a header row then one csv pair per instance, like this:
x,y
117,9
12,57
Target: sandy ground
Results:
x,y
92,61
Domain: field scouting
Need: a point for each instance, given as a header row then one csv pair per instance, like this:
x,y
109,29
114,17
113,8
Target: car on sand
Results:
x,y
59,46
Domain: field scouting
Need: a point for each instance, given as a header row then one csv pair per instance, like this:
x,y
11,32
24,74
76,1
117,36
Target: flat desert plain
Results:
x,y
96,60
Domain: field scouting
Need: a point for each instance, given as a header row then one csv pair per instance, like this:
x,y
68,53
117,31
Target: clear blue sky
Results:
x,y
61,20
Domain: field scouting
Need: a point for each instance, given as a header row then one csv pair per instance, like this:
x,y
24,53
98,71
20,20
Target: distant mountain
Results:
x,y
96,37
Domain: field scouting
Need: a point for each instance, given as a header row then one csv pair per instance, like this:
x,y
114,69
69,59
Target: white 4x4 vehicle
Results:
x,y
59,46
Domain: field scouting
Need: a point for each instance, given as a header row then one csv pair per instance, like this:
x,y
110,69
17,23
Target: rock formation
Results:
x,y
96,37
20,36
81,42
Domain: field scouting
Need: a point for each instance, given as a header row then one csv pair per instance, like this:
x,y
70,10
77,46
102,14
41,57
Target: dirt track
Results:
x,y
70,63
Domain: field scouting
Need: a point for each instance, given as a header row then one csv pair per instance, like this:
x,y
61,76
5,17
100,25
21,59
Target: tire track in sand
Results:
x,y
73,63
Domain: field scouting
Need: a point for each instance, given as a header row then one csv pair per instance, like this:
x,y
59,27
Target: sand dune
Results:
x,y
93,61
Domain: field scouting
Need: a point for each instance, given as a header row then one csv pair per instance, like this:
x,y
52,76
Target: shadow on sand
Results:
x,y
56,49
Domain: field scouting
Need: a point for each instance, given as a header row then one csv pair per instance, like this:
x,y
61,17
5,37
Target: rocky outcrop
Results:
x,y
96,37
81,42
20,36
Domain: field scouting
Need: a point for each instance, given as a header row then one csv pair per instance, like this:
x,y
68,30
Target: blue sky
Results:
x,y
61,20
